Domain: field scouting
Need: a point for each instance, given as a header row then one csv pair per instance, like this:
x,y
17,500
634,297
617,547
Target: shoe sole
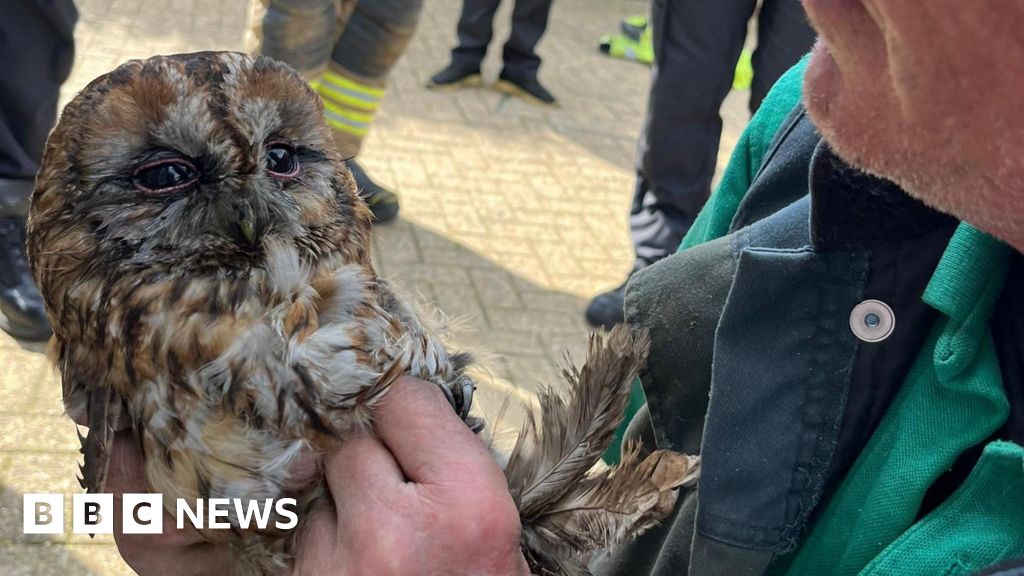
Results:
x,y
510,89
471,81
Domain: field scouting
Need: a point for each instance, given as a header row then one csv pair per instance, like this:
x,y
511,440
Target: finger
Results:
x,y
128,476
318,537
427,438
126,473
360,466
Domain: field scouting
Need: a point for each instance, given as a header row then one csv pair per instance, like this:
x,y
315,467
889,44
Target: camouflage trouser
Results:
x,y
345,48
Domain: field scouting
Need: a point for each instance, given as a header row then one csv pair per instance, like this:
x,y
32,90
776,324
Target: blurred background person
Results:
x,y
346,49
38,49
696,47
518,76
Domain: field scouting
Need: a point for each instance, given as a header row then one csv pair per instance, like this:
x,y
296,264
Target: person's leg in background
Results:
x,y
37,42
474,33
299,32
371,43
696,46
783,37
519,76
346,49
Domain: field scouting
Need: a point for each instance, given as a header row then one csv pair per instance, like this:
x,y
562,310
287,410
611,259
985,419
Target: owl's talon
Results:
x,y
450,397
475,424
461,399
467,397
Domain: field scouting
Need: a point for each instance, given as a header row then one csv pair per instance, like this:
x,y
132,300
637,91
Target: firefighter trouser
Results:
x,y
345,48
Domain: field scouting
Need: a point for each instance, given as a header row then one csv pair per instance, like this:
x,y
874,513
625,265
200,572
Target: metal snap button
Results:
x,y
872,321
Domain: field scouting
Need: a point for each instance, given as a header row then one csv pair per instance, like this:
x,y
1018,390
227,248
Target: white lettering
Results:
x,y
252,510
282,510
219,509
183,510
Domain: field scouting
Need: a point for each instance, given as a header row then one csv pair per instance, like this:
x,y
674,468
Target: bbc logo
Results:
x,y
92,514
144,513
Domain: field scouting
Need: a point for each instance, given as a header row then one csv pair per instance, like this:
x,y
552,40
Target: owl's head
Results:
x,y
188,164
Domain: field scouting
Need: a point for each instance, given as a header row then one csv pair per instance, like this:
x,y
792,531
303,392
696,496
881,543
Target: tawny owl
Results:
x,y
205,262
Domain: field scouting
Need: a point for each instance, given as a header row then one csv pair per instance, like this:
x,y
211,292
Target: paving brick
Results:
x,y
491,342
37,433
47,559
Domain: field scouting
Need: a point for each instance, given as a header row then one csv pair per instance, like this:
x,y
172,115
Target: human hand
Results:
x,y
172,553
424,498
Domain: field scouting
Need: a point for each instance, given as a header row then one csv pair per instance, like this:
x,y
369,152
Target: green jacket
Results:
x,y
951,399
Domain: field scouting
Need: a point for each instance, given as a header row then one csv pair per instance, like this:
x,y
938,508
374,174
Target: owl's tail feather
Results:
x,y
567,511
103,411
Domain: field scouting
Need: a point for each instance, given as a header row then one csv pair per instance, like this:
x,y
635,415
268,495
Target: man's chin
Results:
x,y
823,83
851,115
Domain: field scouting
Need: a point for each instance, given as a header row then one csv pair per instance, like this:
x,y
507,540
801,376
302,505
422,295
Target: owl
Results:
x,y
205,262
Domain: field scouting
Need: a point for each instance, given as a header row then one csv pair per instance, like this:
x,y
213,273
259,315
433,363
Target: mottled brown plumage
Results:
x,y
204,257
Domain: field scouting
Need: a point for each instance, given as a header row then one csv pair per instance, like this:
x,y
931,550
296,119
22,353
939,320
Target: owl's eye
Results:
x,y
281,160
165,176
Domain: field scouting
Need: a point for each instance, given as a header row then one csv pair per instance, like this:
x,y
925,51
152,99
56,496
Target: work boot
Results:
x,y
455,76
22,314
608,308
528,88
382,202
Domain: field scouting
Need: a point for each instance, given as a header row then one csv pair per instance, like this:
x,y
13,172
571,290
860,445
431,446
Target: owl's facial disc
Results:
x,y
192,162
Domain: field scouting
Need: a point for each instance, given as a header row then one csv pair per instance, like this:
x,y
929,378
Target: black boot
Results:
x,y
608,308
455,76
22,314
527,87
382,202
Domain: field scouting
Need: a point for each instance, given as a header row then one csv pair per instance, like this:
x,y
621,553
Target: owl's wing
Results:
x,y
103,412
568,510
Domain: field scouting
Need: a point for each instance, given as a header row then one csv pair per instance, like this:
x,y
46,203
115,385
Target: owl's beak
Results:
x,y
246,223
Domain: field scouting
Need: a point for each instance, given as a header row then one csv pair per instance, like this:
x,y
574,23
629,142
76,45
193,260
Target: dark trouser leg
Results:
x,y
783,37
696,45
476,27
37,45
529,21
37,48
376,36
300,33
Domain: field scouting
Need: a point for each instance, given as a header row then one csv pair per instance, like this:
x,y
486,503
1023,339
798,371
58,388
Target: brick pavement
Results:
x,y
511,218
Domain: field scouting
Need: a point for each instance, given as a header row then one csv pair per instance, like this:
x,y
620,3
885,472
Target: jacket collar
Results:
x,y
852,210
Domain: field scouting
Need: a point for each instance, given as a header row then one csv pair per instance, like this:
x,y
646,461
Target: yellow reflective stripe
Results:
x,y
348,84
315,85
326,92
342,126
346,120
350,114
